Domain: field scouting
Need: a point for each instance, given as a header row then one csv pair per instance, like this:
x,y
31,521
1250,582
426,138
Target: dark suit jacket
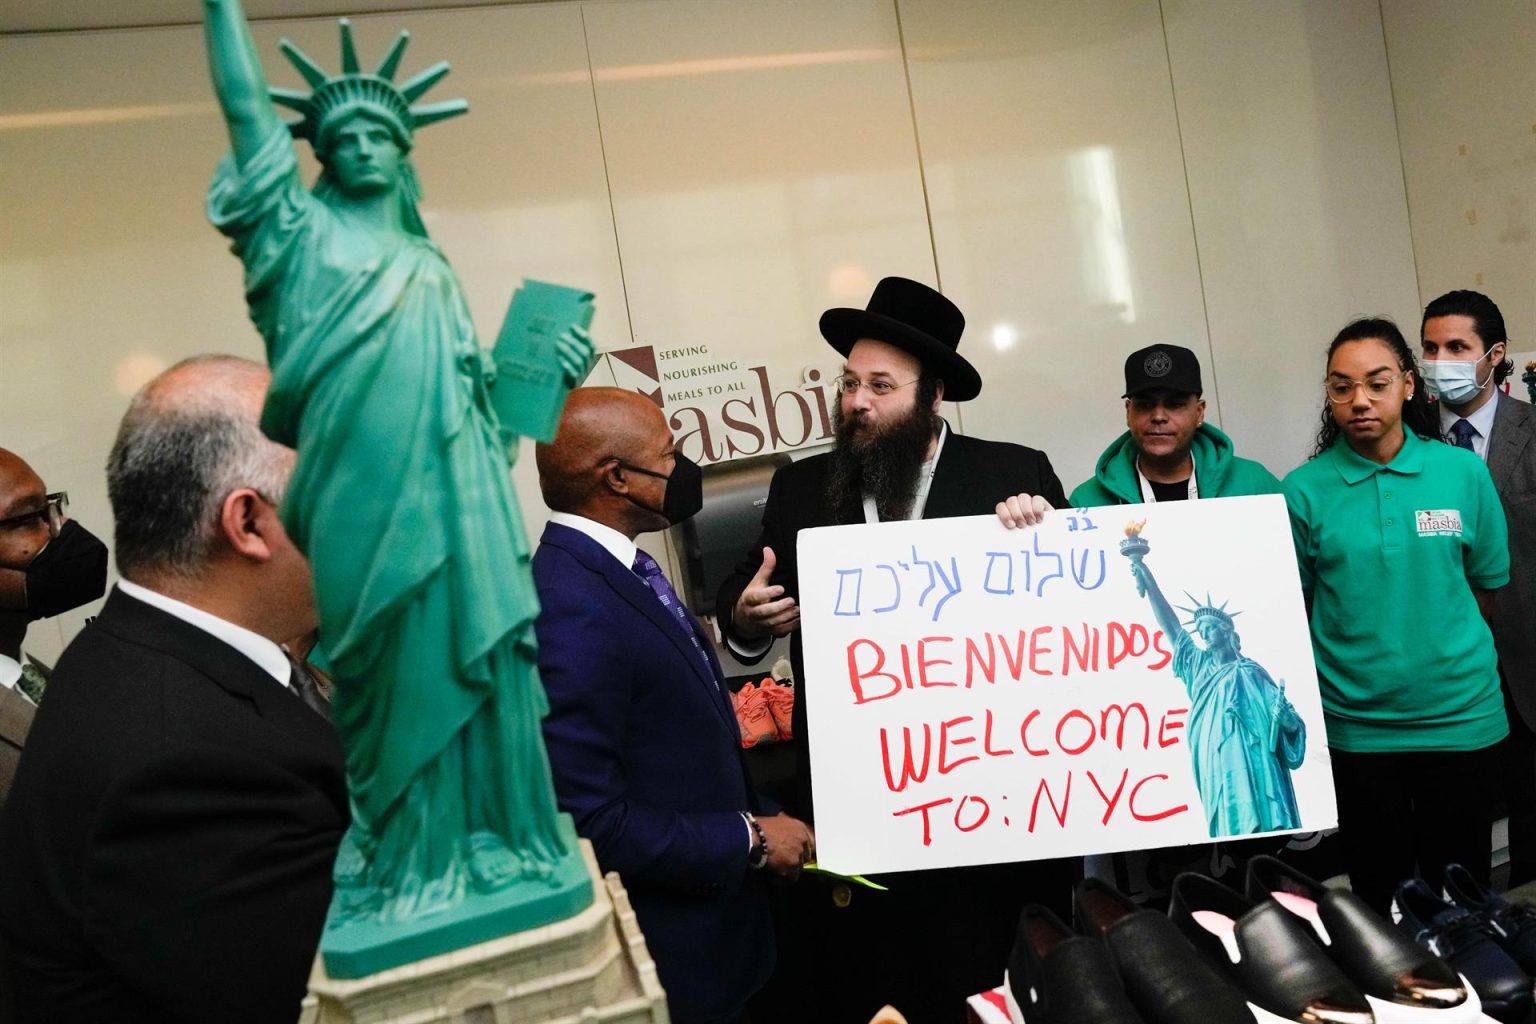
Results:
x,y
1512,461
971,477
166,851
647,759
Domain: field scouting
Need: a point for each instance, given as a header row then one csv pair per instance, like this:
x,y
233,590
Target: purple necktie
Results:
x,y
646,568
1462,431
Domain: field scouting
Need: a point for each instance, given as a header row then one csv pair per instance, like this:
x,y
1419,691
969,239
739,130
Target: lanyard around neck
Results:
x,y
1149,496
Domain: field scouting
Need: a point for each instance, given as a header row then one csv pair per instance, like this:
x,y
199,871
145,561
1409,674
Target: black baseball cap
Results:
x,y
1162,368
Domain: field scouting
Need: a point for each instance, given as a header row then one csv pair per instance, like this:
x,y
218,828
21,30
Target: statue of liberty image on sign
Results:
x,y
1244,736
402,500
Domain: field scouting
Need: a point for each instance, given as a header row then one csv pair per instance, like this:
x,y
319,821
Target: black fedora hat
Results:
x,y
916,319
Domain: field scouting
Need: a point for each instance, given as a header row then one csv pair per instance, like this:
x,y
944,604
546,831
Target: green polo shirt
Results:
x,y
1389,556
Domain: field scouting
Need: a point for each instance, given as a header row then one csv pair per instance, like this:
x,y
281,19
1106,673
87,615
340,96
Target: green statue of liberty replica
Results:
x,y
1245,737
402,499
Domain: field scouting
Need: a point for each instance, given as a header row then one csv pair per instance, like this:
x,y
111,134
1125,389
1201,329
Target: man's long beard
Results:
x,y
882,462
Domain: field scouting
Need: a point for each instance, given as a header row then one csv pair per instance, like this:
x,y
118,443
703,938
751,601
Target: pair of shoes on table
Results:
x,y
1266,952
1123,965
1297,947
1056,976
1514,925
1468,940
1288,949
764,712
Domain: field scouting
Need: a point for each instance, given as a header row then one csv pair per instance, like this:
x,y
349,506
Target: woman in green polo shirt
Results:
x,y
1399,538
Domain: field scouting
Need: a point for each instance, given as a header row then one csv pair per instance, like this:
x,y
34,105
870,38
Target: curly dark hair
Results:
x,y
1417,415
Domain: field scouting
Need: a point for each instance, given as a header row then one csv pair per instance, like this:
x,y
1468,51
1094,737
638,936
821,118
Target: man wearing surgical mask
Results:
x,y
48,564
1465,360
642,740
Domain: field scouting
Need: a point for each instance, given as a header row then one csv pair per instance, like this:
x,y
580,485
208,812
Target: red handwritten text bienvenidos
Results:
x,y
877,671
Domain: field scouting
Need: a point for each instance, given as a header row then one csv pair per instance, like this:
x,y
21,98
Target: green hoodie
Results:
x,y
1218,472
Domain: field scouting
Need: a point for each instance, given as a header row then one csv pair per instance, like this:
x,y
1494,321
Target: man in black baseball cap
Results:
x,y
1168,452
894,458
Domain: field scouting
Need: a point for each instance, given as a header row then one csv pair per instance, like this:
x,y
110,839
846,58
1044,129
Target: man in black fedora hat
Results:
x,y
894,458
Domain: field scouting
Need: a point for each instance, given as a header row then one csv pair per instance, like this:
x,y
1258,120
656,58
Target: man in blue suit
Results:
x,y
641,736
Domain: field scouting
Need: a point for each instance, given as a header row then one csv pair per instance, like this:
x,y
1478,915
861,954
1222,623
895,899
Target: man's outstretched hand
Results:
x,y
762,609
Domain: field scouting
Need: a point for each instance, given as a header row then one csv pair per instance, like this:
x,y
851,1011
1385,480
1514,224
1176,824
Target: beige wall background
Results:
x,y
1084,178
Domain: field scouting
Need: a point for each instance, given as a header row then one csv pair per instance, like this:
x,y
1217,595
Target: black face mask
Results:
x,y
685,488
69,572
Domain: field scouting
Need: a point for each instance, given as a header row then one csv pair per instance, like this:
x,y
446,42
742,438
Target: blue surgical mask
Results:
x,y
1454,381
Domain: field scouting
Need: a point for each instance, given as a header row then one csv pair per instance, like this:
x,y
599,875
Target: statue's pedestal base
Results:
x,y
358,948
589,968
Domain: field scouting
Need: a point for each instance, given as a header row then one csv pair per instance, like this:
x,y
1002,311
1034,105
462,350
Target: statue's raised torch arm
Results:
x,y
238,81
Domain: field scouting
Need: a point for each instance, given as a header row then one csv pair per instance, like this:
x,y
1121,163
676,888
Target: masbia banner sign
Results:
x,y
1117,678
722,407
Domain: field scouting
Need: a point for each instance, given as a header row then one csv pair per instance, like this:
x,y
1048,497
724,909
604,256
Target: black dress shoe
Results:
x,y
1513,926
1380,959
1266,952
1456,935
1167,982
1059,977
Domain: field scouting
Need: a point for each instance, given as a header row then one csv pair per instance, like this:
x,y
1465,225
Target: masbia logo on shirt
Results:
x,y
1438,522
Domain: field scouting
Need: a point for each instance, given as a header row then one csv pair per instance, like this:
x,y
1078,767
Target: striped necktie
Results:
x,y
646,568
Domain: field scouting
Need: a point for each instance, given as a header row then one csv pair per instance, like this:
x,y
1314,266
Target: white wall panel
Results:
x,y
1297,193
1101,175
1464,81
1060,218
763,169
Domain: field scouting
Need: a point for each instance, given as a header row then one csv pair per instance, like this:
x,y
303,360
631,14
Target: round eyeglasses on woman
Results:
x,y
1341,390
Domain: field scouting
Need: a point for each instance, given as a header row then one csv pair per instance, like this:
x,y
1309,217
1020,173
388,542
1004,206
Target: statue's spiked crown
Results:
x,y
354,91
1207,610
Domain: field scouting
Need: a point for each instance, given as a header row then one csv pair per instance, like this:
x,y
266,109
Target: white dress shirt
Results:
x,y
10,672
1482,424
258,648
614,542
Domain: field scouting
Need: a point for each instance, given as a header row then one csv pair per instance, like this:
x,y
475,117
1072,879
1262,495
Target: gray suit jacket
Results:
x,y
15,722
1512,461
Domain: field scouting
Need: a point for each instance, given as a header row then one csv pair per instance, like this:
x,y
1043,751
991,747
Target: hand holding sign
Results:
x,y
1022,510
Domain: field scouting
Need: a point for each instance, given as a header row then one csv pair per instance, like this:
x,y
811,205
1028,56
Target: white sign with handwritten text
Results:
x,y
1116,678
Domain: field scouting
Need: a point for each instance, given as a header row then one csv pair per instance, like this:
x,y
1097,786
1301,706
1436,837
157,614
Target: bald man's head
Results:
x,y
21,492
597,426
205,385
15,475
189,438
